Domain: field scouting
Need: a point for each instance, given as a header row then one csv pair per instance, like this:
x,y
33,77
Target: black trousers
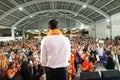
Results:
x,y
56,74
76,66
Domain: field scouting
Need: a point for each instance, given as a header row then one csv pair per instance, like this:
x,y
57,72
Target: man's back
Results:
x,y
57,49
55,53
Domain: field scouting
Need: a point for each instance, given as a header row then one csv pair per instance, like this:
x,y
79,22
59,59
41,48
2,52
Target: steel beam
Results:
x,y
69,1
50,11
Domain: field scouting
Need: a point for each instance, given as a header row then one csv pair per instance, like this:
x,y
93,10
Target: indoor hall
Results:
x,y
59,39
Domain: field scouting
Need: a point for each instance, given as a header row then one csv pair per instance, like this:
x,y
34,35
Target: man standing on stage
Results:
x,y
55,53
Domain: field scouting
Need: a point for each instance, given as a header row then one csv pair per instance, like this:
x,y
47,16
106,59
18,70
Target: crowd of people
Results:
x,y
20,60
89,52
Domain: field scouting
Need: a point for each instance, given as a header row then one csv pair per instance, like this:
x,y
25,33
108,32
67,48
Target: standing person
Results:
x,y
55,53
87,65
71,68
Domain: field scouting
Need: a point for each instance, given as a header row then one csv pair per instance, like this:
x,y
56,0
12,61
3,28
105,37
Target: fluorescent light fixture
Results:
x,y
20,8
84,6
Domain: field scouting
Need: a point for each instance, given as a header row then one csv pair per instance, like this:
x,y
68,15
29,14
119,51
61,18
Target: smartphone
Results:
x,y
31,62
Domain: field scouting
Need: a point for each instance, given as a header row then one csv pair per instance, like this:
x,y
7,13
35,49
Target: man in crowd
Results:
x,y
55,53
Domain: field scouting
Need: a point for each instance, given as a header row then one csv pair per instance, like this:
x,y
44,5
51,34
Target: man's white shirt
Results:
x,y
55,51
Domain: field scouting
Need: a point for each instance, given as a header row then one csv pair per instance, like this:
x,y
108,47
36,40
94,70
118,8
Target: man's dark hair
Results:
x,y
53,24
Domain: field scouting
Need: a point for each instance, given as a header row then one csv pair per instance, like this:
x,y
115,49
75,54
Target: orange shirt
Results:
x,y
3,62
72,59
87,65
72,70
10,71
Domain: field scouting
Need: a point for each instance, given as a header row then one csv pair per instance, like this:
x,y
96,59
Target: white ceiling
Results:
x,y
95,10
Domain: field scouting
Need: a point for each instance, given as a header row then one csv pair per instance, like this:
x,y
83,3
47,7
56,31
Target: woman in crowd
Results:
x,y
12,71
87,65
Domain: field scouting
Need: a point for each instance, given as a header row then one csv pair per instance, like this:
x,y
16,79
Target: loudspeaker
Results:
x,y
110,75
90,76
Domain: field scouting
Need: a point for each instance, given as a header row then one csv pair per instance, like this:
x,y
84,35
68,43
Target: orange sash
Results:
x,y
3,62
54,32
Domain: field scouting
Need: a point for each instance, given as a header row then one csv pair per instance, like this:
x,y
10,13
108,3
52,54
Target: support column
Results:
x,y
13,33
23,34
110,23
71,32
95,29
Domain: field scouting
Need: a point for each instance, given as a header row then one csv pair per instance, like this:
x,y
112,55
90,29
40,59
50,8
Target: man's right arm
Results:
x,y
69,49
43,53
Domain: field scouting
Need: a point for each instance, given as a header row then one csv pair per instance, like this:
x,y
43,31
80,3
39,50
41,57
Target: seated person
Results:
x,y
110,64
87,65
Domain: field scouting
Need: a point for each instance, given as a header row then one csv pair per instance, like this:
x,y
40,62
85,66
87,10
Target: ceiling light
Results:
x,y
75,14
20,8
31,16
108,20
15,28
84,6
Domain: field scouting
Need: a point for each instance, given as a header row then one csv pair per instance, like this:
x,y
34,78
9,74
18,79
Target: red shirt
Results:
x,y
10,72
72,59
71,69
87,65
